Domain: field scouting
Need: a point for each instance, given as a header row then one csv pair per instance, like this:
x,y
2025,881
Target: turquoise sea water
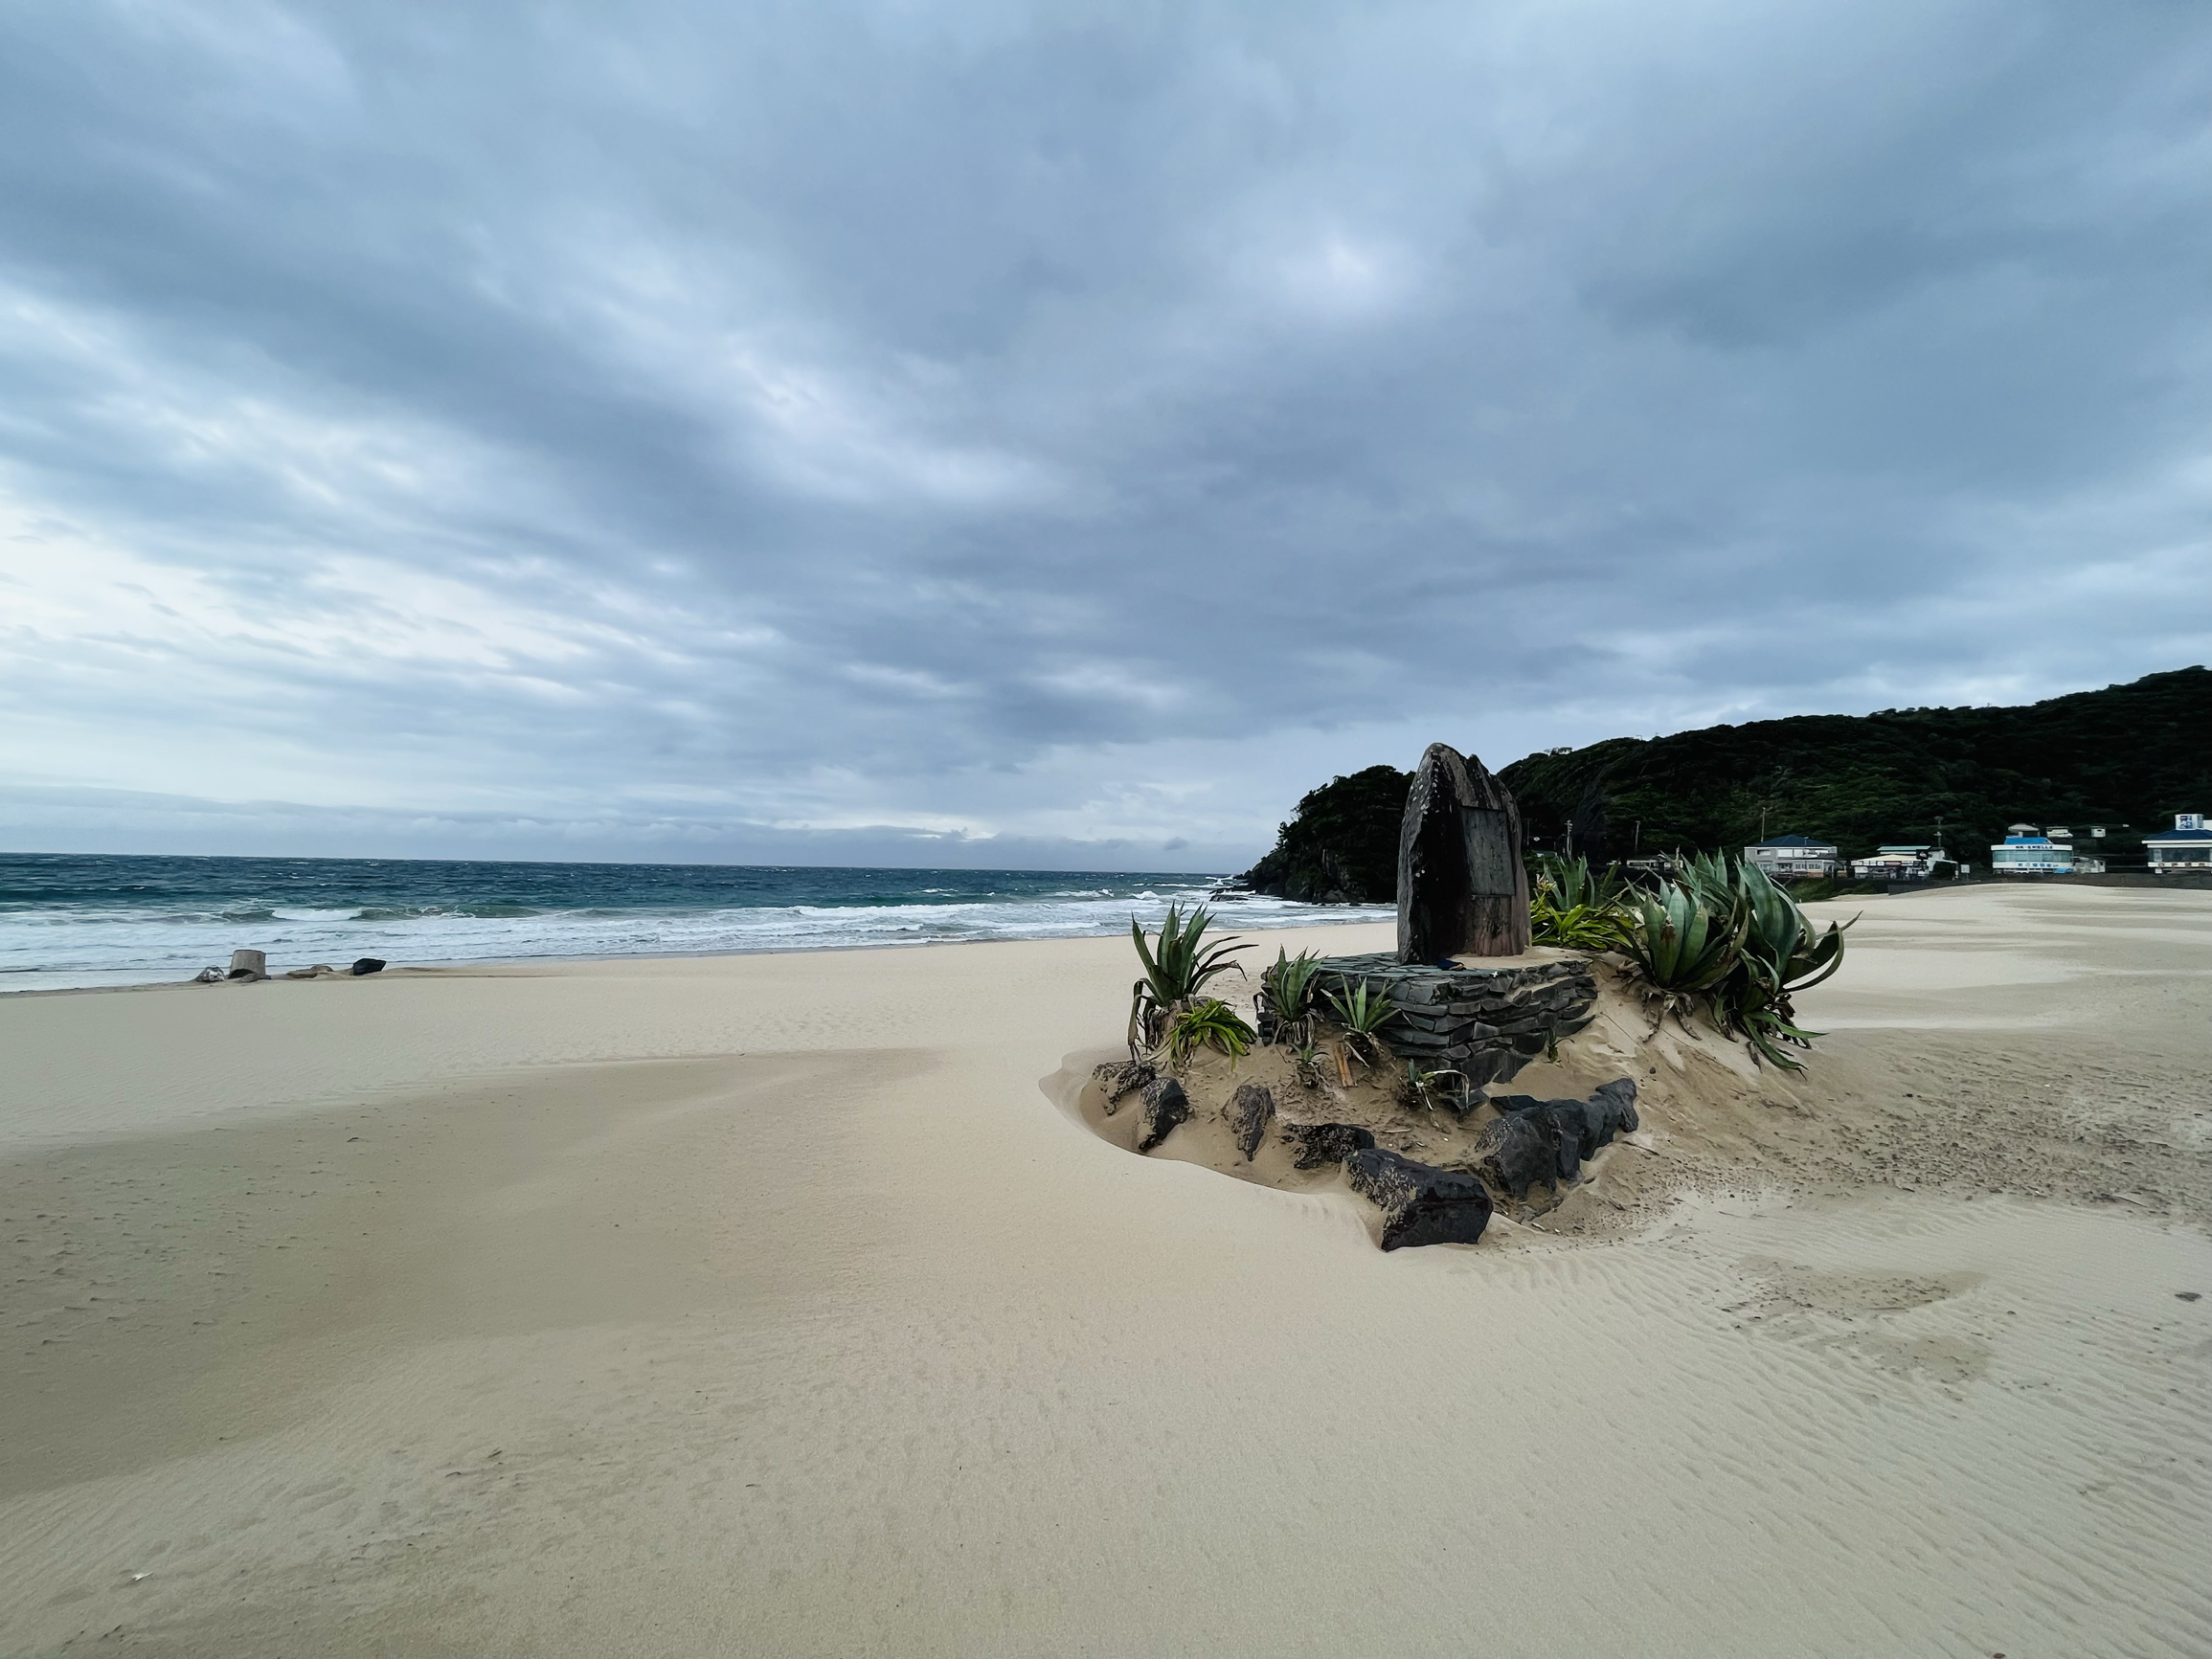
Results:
x,y
87,919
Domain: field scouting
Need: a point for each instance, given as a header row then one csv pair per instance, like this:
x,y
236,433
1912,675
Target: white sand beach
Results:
x,y
786,1305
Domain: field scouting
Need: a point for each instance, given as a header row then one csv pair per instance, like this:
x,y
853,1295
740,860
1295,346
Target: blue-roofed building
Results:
x,y
1793,855
2185,848
2026,851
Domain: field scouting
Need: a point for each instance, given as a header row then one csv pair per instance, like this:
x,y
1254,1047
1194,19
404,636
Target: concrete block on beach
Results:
x,y
249,965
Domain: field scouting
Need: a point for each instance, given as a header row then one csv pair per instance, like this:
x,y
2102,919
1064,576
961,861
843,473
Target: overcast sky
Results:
x,y
994,433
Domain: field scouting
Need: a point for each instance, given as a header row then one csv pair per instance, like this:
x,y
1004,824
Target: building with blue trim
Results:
x,y
2184,849
2026,851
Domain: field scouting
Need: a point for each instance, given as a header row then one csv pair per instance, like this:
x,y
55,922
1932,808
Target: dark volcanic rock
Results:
x,y
1421,1204
368,965
1616,1101
1315,1144
1517,1150
1577,1138
1566,1123
1609,1111
1585,1124
1117,1078
1164,1105
1249,1114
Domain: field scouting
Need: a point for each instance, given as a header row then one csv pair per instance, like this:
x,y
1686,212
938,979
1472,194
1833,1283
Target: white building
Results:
x,y
1897,863
2184,849
2026,851
1793,855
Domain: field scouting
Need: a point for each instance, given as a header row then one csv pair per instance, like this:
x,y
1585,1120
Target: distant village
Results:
x,y
2026,850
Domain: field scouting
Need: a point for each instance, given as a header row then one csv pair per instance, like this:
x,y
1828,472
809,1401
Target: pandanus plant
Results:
x,y
1176,968
1287,988
1363,1012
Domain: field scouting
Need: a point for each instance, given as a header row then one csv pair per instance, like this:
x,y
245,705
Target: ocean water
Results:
x,y
81,919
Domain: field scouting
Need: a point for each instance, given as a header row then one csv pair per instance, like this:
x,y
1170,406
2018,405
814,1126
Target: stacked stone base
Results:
x,y
1484,1022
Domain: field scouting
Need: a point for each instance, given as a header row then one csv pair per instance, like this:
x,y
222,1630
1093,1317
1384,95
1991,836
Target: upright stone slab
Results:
x,y
1463,889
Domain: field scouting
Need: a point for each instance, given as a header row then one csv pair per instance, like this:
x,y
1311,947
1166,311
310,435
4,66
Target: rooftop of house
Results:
x,y
2181,835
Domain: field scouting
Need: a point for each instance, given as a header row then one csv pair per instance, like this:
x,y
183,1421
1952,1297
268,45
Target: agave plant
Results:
x,y
1208,1022
1572,883
1287,989
1713,881
1573,908
1682,949
1727,934
1363,1012
1176,968
1783,954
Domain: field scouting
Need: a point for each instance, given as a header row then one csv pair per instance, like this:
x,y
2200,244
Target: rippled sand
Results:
x,y
777,1304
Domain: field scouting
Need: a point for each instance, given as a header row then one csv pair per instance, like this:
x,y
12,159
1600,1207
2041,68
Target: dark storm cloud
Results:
x,y
1078,421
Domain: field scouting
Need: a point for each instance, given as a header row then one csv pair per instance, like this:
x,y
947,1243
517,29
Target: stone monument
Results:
x,y
1462,888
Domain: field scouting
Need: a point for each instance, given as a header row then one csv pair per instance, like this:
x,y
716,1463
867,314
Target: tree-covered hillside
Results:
x,y
1342,845
2130,755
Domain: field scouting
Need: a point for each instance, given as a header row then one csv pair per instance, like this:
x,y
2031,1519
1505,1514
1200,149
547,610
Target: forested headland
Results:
x,y
2127,758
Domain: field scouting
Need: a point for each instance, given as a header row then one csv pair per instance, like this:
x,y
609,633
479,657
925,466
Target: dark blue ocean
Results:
x,y
85,919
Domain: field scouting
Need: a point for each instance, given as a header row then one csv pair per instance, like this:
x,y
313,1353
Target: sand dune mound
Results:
x,y
1698,1101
